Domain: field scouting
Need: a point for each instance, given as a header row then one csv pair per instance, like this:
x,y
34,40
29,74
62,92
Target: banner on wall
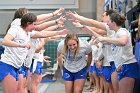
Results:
x,y
107,2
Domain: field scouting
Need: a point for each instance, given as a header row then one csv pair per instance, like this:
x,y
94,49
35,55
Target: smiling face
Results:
x,y
72,45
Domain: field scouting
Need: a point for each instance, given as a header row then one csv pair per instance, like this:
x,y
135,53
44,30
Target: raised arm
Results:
x,y
54,27
44,34
42,17
87,21
90,30
45,25
42,26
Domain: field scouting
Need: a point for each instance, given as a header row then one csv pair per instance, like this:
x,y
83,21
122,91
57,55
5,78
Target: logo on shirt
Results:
x,y
21,41
113,47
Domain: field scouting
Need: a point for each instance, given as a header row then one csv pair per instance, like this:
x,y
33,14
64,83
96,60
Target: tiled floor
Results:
x,y
57,86
54,87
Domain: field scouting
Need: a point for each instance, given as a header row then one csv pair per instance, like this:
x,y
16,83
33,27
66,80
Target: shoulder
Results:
x,y
61,43
14,28
60,46
16,22
83,43
122,31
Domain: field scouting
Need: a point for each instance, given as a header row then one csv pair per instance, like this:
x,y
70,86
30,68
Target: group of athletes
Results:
x,y
108,57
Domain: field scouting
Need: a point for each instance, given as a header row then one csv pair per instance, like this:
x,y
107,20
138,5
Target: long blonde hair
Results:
x,y
71,37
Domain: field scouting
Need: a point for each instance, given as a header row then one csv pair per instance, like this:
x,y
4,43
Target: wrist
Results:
x,y
83,26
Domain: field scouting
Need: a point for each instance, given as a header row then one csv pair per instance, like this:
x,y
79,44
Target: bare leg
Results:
x,y
115,82
28,82
101,84
110,86
90,81
69,88
78,85
126,85
96,82
36,78
21,84
7,84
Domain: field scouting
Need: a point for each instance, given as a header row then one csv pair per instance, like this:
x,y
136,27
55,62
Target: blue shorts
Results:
x,y
23,70
107,73
91,68
31,68
69,76
39,68
99,71
129,70
5,69
113,68
96,70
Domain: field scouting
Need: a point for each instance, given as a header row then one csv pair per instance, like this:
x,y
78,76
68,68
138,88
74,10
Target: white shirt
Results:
x,y
16,22
123,54
31,52
15,56
75,65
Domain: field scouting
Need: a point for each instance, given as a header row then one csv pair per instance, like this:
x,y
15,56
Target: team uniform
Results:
x,y
108,62
14,57
37,63
99,57
94,55
75,68
125,61
28,61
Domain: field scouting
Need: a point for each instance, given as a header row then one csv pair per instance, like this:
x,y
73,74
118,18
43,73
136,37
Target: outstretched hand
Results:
x,y
77,24
60,21
46,57
58,11
63,32
73,16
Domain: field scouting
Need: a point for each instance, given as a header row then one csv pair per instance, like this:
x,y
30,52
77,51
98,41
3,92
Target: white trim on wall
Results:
x,y
39,4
